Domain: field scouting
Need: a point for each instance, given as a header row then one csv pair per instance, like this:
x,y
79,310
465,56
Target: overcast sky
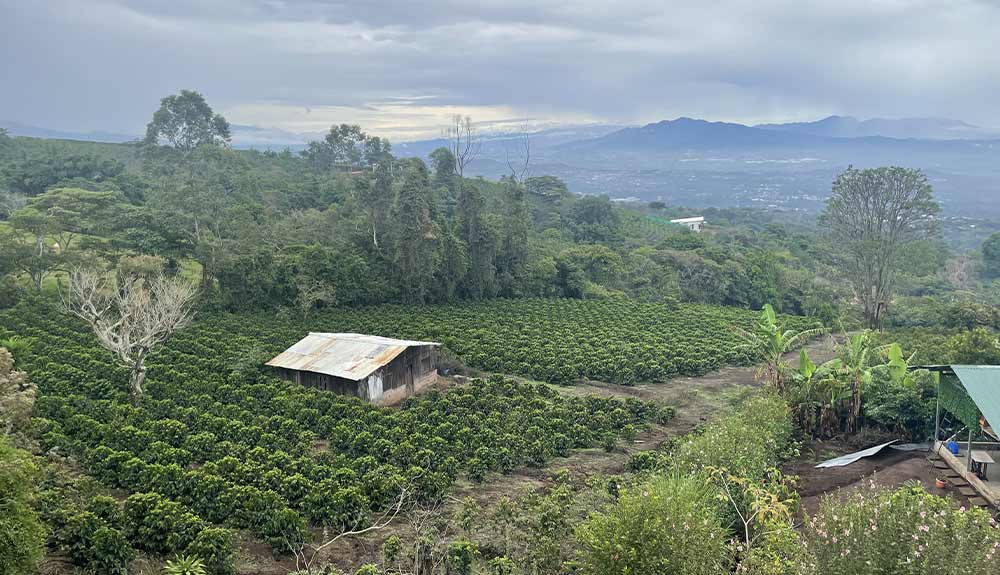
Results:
x,y
402,68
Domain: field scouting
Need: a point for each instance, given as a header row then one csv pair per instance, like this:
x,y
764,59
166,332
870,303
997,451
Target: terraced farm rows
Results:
x,y
217,440
554,340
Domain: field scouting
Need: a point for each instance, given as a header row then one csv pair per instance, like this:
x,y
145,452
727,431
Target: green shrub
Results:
x,y
462,554
214,546
905,407
22,536
667,526
979,346
391,548
184,565
501,566
754,438
107,508
158,524
876,531
78,536
110,552
643,461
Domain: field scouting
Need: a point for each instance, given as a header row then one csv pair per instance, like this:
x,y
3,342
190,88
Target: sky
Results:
x,y
402,69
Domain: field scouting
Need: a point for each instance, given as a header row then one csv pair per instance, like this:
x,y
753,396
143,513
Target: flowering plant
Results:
x,y
906,531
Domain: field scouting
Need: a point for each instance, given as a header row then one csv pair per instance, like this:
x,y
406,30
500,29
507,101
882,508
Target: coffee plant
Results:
x,y
554,340
214,446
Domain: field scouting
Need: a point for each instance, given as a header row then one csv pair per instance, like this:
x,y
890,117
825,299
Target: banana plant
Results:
x,y
772,341
897,365
816,394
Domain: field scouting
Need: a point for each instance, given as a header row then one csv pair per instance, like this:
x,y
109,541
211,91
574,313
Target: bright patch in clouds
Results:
x,y
402,119
104,64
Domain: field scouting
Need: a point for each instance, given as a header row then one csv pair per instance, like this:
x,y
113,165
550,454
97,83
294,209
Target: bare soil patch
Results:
x,y
889,468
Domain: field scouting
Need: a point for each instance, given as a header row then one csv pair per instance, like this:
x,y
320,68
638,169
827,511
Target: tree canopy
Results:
x,y
185,121
870,214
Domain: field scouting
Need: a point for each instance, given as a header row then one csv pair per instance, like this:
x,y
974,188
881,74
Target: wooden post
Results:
x,y
968,454
937,409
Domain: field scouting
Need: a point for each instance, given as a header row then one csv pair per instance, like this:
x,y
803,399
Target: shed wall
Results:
x,y
407,373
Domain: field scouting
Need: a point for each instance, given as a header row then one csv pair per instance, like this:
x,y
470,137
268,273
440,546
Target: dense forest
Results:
x,y
143,286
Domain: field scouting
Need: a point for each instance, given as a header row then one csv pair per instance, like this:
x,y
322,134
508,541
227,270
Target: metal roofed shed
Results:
x,y
970,394
376,369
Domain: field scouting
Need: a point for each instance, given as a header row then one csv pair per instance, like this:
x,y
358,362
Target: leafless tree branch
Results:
x,y
130,315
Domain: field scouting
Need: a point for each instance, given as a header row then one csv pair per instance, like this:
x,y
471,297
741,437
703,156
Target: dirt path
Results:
x,y
698,399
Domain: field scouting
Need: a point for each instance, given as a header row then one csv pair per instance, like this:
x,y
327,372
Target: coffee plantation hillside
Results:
x,y
217,441
553,340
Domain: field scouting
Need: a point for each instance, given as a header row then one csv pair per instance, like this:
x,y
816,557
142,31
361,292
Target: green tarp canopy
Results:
x,y
977,390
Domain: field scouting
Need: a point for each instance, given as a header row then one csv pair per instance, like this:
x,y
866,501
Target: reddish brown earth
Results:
x,y
889,468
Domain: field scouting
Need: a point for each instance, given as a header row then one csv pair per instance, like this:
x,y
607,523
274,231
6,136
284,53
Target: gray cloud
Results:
x,y
103,64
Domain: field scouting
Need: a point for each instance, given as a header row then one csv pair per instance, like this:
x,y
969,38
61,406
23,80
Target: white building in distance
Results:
x,y
694,224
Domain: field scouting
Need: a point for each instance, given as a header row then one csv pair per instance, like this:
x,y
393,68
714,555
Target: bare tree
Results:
x,y
870,213
312,292
519,163
130,316
308,556
464,142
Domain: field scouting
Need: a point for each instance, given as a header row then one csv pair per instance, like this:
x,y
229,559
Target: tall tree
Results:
x,y
479,240
445,180
991,256
130,316
202,202
346,148
513,253
375,195
415,234
870,213
185,121
35,173
453,261
593,219
464,142
25,247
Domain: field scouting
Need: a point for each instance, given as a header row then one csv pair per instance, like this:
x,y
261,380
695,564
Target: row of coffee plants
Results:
x,y
553,340
100,534
223,442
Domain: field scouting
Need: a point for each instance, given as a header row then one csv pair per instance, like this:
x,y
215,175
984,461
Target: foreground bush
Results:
x,y
667,526
754,438
906,531
22,537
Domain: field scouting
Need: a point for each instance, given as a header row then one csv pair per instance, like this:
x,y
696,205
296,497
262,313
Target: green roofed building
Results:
x,y
968,409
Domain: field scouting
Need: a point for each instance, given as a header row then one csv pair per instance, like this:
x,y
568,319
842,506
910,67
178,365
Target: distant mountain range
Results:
x,y
244,136
919,128
785,166
700,163
19,129
672,133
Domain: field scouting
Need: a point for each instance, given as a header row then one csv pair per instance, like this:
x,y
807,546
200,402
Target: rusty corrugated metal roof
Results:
x,y
347,355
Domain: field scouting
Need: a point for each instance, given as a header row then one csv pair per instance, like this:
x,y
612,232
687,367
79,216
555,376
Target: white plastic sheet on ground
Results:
x,y
852,457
